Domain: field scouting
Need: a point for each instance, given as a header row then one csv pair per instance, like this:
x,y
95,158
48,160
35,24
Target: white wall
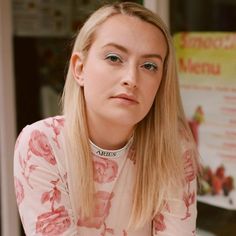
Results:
x,y
9,215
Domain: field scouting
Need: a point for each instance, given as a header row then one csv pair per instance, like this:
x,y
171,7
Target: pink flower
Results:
x,y
56,125
19,191
40,146
53,196
189,171
53,223
131,155
102,208
159,223
105,170
189,199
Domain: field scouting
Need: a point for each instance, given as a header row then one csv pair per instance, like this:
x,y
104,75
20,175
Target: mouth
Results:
x,y
126,98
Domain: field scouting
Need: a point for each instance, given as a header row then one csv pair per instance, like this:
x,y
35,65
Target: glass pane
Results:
x,y
203,15
207,16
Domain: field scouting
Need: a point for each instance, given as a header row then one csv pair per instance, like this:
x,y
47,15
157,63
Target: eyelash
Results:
x,y
111,56
153,66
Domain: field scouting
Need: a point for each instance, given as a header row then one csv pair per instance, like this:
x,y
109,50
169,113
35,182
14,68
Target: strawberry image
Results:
x,y
216,185
216,182
207,175
205,188
220,172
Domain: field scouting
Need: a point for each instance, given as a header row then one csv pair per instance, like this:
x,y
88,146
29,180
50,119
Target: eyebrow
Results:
x,y
123,49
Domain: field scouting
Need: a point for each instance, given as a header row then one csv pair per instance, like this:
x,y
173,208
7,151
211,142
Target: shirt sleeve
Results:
x,y
41,189
178,217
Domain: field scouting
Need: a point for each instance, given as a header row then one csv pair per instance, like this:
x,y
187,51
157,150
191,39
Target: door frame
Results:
x,y
161,7
9,215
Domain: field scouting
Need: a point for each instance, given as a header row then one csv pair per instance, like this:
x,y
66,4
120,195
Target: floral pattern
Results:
x,y
40,146
53,195
131,154
189,197
102,207
125,233
104,170
56,221
158,223
43,198
53,223
19,191
27,168
106,230
189,171
56,125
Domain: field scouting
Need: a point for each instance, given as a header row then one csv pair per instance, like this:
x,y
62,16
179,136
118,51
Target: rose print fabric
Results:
x,y
44,202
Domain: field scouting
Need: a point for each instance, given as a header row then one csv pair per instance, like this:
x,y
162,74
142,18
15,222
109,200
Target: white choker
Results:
x,y
110,153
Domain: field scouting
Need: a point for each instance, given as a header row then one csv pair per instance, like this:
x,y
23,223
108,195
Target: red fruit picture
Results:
x,y
216,182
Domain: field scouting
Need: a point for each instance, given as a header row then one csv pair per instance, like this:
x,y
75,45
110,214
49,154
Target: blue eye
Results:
x,y
113,58
150,66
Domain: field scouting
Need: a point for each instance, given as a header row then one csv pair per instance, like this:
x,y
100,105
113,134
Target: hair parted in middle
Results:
x,y
158,155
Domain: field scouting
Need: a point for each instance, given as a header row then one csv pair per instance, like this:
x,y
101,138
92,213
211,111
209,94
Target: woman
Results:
x,y
121,161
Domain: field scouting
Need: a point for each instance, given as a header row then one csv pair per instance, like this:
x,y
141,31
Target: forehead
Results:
x,y
132,33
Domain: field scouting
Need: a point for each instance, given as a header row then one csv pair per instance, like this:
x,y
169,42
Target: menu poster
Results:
x,y
207,75
42,18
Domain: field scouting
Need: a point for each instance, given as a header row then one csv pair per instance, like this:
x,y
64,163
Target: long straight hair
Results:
x,y
158,157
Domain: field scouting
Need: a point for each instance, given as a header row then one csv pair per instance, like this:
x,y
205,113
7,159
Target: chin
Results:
x,y
123,117
126,121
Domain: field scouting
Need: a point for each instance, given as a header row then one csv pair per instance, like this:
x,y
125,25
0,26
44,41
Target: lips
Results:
x,y
126,97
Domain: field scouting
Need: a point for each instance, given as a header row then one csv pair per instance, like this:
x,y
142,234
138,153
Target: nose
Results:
x,y
130,77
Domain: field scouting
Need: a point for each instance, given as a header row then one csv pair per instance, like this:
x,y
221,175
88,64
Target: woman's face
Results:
x,y
122,71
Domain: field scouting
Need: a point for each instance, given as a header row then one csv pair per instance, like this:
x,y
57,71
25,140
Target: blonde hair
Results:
x,y
158,157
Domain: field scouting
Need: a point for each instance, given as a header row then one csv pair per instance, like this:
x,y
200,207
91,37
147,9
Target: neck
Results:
x,y
109,136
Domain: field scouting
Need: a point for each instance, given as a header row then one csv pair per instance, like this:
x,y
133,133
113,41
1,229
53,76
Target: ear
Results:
x,y
77,66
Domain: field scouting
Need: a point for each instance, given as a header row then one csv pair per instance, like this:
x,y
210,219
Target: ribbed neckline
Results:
x,y
112,154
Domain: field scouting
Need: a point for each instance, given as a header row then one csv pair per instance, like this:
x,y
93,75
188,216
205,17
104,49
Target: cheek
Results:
x,y
95,86
92,80
99,82
152,91
96,76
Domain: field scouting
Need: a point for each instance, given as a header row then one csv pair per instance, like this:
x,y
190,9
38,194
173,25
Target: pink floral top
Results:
x,y
43,199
